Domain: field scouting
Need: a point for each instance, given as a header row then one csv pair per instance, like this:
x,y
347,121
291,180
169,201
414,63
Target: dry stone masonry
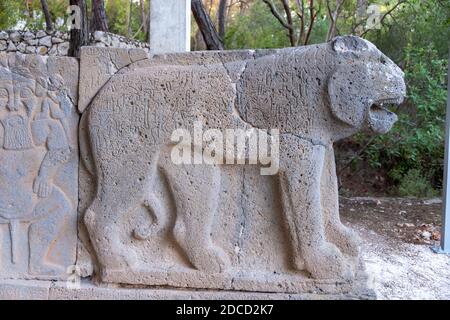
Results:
x,y
146,221
57,43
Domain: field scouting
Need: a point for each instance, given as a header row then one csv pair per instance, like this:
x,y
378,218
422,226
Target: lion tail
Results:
x,y
85,145
159,216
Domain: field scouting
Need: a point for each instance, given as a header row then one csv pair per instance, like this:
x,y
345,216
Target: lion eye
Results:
x,y
26,93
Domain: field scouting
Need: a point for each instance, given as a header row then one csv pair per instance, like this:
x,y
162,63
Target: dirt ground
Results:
x,y
398,234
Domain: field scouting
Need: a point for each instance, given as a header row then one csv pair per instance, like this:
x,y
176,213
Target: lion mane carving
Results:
x,y
314,95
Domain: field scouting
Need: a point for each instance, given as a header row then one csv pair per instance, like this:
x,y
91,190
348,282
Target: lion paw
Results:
x,y
212,259
351,243
327,262
347,240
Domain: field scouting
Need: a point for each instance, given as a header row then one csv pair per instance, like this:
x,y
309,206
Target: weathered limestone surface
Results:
x,y
38,165
150,221
99,64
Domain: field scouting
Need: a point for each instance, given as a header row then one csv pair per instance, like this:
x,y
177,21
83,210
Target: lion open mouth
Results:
x,y
380,119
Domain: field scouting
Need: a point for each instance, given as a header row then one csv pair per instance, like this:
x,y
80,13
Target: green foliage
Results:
x,y
10,12
413,183
419,23
118,15
255,29
57,10
417,141
23,15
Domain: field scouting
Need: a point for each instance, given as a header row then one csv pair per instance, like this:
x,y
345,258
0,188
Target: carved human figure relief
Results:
x,y
36,209
314,95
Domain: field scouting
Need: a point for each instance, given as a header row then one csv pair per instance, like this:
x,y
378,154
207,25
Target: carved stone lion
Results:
x,y
314,95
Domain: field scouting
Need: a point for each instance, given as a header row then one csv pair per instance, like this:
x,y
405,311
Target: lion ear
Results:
x,y
349,44
348,95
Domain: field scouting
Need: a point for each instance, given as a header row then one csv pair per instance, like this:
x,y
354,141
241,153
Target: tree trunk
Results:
x,y
48,17
212,39
144,18
79,37
99,21
222,17
130,12
287,24
198,43
333,16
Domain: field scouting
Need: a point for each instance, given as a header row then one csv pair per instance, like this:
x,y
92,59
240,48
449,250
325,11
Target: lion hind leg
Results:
x,y
104,219
195,189
102,223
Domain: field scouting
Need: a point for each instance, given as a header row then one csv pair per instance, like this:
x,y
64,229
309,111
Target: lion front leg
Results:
x,y
343,237
300,178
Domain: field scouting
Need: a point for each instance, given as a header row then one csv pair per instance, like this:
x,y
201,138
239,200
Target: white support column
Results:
x,y
170,26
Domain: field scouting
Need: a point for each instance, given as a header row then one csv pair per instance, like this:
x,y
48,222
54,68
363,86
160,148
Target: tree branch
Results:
x,y
387,13
275,13
286,24
312,18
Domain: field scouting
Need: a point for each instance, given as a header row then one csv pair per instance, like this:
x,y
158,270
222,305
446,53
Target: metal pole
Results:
x,y
445,233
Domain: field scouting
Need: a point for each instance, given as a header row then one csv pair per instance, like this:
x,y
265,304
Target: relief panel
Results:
x,y
38,166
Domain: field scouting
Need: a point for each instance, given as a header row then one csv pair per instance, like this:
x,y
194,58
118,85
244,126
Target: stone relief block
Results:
x,y
38,166
99,64
147,220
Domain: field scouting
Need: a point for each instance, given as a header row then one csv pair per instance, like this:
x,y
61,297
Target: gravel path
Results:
x,y
399,269
405,271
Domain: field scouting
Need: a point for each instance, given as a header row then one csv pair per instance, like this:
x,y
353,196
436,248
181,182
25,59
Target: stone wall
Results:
x,y
57,43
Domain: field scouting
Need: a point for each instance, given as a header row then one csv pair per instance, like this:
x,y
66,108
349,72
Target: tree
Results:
x,y
79,36
130,12
9,14
221,17
144,19
255,28
306,14
99,20
207,28
48,17
333,16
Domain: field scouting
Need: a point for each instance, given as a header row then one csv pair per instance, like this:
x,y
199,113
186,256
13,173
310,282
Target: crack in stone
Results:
x,y
244,216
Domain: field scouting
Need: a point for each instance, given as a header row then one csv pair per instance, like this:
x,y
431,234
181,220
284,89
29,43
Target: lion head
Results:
x,y
363,84
322,92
